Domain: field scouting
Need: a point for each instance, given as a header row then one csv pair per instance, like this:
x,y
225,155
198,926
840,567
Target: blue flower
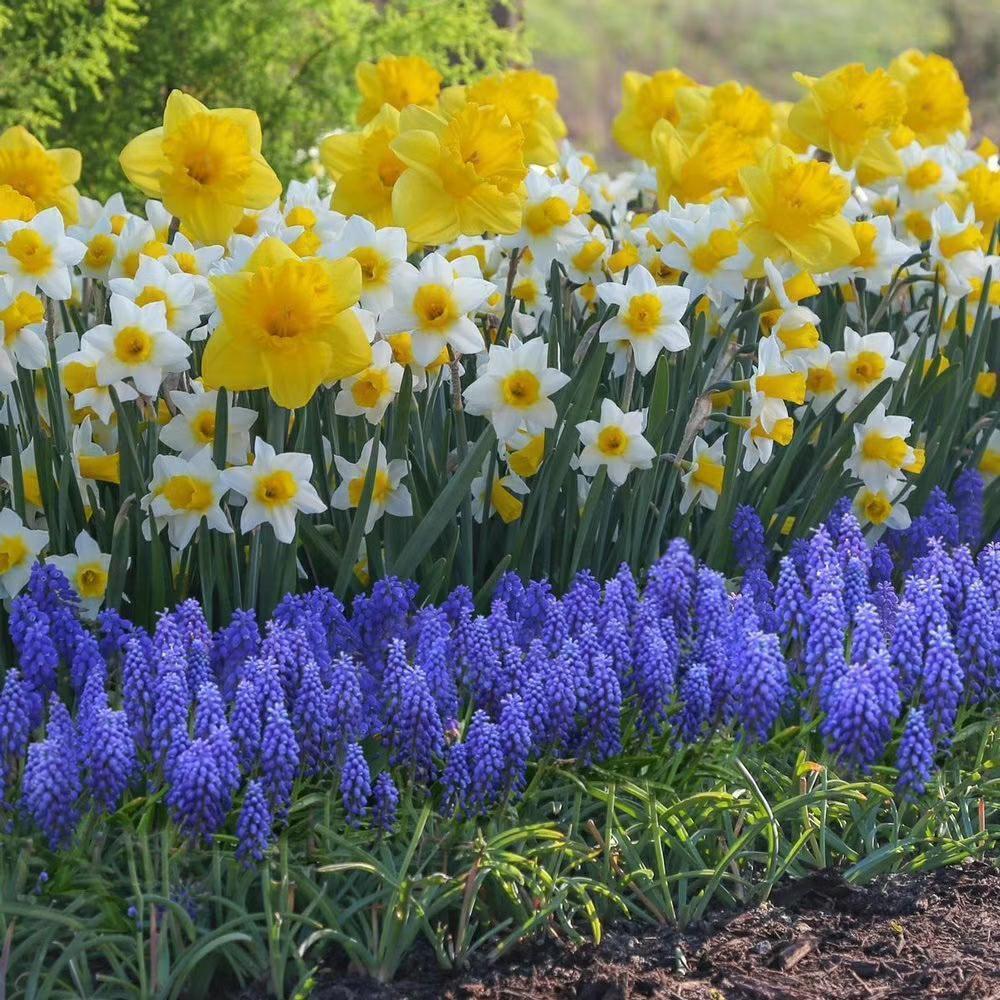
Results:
x,y
355,784
253,829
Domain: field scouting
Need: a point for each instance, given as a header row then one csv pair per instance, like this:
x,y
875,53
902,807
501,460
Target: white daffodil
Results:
x,y
181,493
880,256
39,254
989,463
277,488
616,442
378,252
78,372
956,247
305,207
487,252
92,462
548,220
648,319
29,478
758,444
136,240
389,496
136,344
703,481
821,380
370,392
193,427
585,256
864,362
153,282
882,506
196,262
514,389
503,490
774,383
433,306
87,569
19,548
100,243
22,332
881,450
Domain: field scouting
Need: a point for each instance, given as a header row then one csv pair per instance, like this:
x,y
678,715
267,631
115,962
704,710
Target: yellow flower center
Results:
x,y
821,380
133,345
25,310
153,294
800,339
187,493
307,244
894,451
790,387
91,580
211,151
986,384
380,494
926,175
13,552
435,307
525,291
374,267
30,251
77,377
612,441
32,173
720,246
505,503
152,248
865,233
968,239
104,468
781,434
301,215
876,506
370,387
32,488
803,195
918,224
521,389
203,427
866,368
289,301
248,225
542,218
402,348
709,473
989,464
100,252
643,314
276,488
588,255
187,262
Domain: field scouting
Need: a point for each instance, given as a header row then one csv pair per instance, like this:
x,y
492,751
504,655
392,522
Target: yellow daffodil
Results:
x,y
936,102
851,113
703,169
465,174
796,212
286,325
743,109
365,167
45,176
647,100
398,81
205,165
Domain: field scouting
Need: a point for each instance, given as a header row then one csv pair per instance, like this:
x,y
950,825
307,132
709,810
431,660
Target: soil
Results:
x,y
934,935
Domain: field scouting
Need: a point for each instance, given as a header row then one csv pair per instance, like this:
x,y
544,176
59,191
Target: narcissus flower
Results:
x,y
647,100
194,425
796,212
137,345
87,569
881,254
398,81
433,306
705,475
153,282
702,168
863,363
370,392
936,102
378,253
514,389
276,488
504,494
616,442
78,371
743,109
774,383
389,496
881,451
39,254
464,174
45,176
22,329
205,165
648,318
19,548
851,113
286,325
182,492
882,507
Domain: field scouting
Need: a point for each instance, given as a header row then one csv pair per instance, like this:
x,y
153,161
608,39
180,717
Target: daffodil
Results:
x,y
398,81
87,569
774,383
184,492
92,462
39,254
136,345
702,168
194,425
205,165
29,477
389,495
989,462
936,102
704,478
648,318
464,174
78,372
615,442
370,392
956,247
758,443
22,328
882,507
514,389
306,210
378,253
501,493
154,282
433,306
880,256
796,212
647,100
864,362
286,325
744,109
881,450
982,191
851,114
19,549
44,176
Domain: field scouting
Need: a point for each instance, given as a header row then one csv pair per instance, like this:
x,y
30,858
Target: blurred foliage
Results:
x,y
92,75
588,45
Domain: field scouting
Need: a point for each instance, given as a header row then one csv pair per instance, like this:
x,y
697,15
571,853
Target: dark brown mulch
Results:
x,y
934,935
